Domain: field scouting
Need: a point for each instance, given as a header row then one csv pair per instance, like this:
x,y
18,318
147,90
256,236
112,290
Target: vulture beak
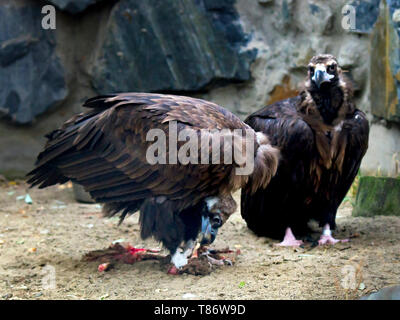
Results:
x,y
209,228
321,76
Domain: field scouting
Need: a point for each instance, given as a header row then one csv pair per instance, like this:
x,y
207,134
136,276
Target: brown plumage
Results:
x,y
322,138
104,150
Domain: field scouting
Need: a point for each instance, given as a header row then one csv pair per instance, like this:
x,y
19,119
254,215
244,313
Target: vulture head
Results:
x,y
327,89
323,72
216,211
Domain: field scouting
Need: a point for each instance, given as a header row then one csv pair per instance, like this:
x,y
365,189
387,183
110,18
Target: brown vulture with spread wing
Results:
x,y
106,150
322,138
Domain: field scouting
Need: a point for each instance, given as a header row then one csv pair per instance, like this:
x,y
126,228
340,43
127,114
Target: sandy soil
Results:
x,y
54,233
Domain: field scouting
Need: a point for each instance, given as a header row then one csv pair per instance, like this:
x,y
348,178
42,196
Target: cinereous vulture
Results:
x,y
106,150
322,138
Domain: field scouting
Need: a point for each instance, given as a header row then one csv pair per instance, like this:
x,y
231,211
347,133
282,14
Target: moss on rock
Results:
x,y
378,196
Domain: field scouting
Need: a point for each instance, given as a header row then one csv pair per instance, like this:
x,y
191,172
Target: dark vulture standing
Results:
x,y
106,150
322,138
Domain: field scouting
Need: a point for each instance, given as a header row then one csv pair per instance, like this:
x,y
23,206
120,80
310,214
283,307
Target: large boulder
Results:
x,y
170,45
31,75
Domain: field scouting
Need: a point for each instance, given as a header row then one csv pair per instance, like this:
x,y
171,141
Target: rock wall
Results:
x,y
31,75
175,45
242,54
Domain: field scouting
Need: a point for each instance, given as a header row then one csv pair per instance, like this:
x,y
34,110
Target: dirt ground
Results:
x,y
46,240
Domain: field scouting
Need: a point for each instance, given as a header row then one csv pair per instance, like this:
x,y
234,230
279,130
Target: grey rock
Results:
x,y
315,18
388,293
396,15
31,75
14,49
383,156
171,45
73,6
367,12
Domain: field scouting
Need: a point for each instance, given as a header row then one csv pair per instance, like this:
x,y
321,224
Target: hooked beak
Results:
x,y
209,229
321,76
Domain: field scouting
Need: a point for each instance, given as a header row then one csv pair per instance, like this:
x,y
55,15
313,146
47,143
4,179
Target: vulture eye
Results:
x,y
332,68
216,221
311,70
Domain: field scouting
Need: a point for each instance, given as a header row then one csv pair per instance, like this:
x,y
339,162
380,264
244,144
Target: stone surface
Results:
x,y
286,34
315,17
383,155
378,196
171,45
73,6
367,12
388,293
385,65
31,75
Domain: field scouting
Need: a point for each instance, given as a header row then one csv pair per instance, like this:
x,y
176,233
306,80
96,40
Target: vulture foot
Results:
x,y
289,240
328,239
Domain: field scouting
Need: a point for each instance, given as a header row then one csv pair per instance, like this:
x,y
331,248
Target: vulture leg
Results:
x,y
289,240
179,259
326,237
189,247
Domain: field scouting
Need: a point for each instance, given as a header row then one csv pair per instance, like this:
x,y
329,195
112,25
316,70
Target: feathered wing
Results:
x,y
268,211
104,149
